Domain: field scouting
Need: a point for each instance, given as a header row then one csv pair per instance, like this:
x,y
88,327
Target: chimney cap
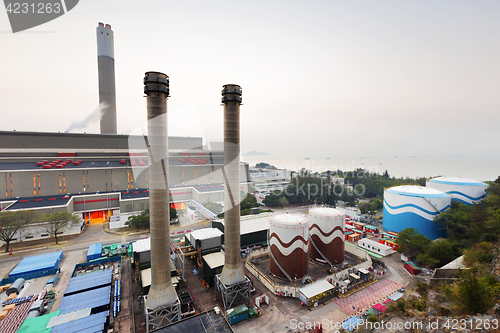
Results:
x,y
108,26
101,24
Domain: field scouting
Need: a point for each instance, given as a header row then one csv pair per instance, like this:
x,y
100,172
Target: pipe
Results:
x,y
162,292
231,98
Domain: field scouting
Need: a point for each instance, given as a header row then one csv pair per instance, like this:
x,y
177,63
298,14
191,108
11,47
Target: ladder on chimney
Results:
x,y
272,256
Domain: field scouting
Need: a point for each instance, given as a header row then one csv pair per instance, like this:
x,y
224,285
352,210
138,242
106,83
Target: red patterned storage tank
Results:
x,y
289,243
327,234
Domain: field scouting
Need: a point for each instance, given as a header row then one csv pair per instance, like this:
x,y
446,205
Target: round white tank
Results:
x,y
326,233
415,207
467,191
289,241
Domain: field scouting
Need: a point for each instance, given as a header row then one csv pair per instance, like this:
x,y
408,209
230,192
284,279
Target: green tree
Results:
x,y
410,240
474,292
173,213
248,202
481,253
439,253
139,221
56,222
12,222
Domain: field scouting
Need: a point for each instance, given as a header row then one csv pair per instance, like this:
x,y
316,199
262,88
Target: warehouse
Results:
x,y
375,247
87,282
98,300
316,292
37,264
94,251
253,229
212,265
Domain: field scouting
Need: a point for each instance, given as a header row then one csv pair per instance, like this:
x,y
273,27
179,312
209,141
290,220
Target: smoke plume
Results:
x,y
90,119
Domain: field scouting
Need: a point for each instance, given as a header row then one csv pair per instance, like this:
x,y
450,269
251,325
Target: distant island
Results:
x,y
255,153
263,165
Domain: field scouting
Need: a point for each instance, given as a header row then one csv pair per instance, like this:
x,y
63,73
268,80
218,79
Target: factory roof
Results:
x,y
67,317
371,227
37,263
457,181
214,260
90,299
363,271
85,282
396,296
316,288
374,243
142,245
146,276
206,233
455,264
90,324
417,191
253,223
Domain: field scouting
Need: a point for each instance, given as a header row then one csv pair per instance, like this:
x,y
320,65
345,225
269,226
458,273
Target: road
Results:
x,y
92,234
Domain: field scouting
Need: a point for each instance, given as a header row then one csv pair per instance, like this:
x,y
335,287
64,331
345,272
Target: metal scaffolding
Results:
x,y
162,316
234,293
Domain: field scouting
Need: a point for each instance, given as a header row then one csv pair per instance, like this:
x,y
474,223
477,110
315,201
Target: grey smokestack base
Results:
x,y
232,272
106,70
162,292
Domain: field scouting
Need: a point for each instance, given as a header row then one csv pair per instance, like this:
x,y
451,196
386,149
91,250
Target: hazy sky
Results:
x,y
319,78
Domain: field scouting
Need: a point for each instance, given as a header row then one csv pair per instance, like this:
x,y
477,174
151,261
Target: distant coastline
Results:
x,y
255,153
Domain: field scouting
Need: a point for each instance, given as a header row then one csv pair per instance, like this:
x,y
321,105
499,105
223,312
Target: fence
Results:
x,y
288,291
96,262
29,276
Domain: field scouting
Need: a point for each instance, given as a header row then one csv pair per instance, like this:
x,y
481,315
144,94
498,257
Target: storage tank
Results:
x,y
16,287
467,191
411,206
289,241
326,233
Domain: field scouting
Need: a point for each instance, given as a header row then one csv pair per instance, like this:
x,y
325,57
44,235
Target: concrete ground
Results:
x,y
123,322
285,314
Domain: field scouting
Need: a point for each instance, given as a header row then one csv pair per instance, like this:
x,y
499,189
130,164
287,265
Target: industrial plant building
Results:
x,y
97,175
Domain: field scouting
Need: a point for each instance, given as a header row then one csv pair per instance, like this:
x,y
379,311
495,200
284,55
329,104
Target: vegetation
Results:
x,y
263,165
371,207
308,188
12,222
139,221
56,222
474,224
142,221
475,292
249,201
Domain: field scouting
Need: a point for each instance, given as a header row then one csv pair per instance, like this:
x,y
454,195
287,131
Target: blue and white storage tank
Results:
x,y
411,206
467,191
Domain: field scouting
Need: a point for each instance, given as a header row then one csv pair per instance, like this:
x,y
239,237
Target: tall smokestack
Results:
x,y
106,67
232,271
162,292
